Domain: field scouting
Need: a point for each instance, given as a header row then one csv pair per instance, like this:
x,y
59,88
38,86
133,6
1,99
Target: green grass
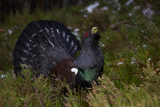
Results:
x,y
133,41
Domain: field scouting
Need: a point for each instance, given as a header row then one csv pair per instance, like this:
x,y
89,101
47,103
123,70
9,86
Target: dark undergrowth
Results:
x,y
131,47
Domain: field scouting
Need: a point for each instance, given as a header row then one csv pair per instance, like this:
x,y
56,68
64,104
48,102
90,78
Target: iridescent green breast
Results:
x,y
90,75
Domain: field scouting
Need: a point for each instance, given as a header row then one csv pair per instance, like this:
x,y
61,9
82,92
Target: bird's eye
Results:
x,y
87,34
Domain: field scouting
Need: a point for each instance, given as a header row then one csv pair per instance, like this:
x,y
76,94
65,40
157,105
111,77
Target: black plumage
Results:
x,y
48,48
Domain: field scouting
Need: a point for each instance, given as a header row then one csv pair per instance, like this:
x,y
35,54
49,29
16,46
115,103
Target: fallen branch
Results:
x,y
2,30
118,23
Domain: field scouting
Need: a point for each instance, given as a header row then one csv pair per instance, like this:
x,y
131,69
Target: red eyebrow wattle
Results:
x,y
86,34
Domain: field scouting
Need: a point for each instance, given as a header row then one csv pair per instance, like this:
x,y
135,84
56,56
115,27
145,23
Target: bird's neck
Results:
x,y
89,62
88,57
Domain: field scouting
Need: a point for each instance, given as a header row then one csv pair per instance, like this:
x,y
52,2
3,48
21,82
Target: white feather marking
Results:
x,y
47,30
25,51
63,33
23,59
34,45
41,31
51,43
75,70
72,43
67,39
31,61
27,44
33,35
30,40
58,31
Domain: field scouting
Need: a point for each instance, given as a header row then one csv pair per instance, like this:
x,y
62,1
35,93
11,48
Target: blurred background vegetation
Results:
x,y
147,7
130,31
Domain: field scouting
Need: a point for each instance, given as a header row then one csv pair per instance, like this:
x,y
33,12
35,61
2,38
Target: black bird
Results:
x,y
48,48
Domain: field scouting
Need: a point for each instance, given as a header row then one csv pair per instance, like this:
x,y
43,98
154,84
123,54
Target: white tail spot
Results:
x,y
75,70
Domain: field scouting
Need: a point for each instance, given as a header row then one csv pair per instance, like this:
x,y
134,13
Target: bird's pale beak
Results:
x,y
94,30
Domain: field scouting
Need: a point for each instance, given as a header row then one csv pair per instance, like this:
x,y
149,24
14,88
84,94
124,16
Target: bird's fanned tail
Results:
x,y
38,40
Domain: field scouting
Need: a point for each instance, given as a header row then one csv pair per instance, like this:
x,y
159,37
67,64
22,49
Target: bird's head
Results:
x,y
91,37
